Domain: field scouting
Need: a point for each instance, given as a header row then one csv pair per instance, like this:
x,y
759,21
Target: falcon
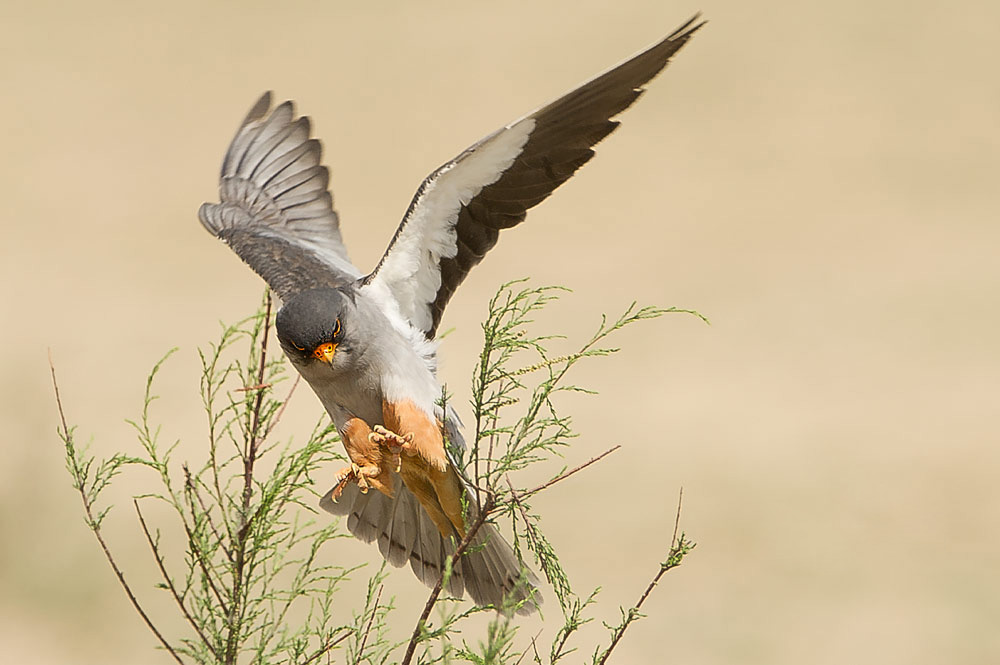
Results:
x,y
366,342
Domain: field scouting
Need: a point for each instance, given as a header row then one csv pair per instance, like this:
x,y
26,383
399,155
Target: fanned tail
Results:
x,y
489,570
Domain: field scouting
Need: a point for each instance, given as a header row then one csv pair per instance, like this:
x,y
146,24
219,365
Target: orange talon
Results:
x,y
394,442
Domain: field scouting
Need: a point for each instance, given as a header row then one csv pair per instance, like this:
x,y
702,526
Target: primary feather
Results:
x,y
275,210
459,210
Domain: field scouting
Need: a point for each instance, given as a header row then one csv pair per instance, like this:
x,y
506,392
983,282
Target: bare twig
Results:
x,y
493,438
235,616
253,438
673,546
281,409
326,647
95,527
488,506
671,563
259,386
209,395
368,628
516,498
154,547
534,647
566,474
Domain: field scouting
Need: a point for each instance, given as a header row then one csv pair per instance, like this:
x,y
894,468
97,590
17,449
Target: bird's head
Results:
x,y
313,328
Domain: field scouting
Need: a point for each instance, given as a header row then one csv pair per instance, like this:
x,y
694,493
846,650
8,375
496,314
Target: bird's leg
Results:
x,y
354,473
394,442
344,476
426,442
427,472
364,473
369,467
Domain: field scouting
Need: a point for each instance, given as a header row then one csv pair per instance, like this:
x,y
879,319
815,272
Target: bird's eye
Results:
x,y
300,348
336,329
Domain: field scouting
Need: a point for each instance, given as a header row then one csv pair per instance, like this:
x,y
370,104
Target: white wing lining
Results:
x,y
409,272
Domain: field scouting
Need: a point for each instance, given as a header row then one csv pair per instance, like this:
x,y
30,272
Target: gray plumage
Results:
x,y
276,213
354,385
404,534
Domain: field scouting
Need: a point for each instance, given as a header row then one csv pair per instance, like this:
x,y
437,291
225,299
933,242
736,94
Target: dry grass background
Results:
x,y
820,179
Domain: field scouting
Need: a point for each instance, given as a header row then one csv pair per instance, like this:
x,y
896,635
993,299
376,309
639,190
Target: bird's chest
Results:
x,y
386,371
346,398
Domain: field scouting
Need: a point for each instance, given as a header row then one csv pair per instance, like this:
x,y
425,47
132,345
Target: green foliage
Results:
x,y
255,583
504,445
255,556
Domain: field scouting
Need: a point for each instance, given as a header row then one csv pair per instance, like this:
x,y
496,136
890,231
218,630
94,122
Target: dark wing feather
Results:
x,y
460,209
275,210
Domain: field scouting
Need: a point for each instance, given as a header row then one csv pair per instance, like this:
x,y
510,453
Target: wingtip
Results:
x,y
205,217
691,26
260,107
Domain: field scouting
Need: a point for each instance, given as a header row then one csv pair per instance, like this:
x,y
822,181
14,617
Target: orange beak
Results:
x,y
325,352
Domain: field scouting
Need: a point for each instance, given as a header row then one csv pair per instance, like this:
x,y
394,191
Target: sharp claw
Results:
x,y
359,478
345,476
395,443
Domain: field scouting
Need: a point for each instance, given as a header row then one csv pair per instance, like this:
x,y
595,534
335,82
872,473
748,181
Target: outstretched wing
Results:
x,y
275,210
458,211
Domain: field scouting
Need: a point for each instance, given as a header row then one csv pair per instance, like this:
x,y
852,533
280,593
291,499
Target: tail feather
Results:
x,y
393,542
497,574
428,551
489,570
366,519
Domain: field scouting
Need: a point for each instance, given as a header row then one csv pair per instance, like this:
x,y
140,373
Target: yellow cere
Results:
x,y
325,352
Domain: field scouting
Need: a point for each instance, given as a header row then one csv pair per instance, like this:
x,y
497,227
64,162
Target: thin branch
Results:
x,y
326,647
488,506
193,491
567,474
534,647
493,438
235,617
253,440
209,395
259,386
154,547
528,529
672,562
673,546
281,409
95,527
557,649
206,570
368,628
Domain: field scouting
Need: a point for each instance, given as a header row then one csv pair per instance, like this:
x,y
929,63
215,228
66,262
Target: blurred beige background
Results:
x,y
820,179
